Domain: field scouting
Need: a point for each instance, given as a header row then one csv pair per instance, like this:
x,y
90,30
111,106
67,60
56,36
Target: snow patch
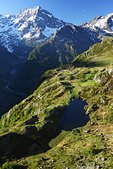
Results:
x,y
23,26
27,35
49,31
50,15
37,35
102,22
32,18
7,16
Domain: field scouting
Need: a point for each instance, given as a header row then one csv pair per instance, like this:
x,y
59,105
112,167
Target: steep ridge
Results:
x,y
64,45
60,49
37,118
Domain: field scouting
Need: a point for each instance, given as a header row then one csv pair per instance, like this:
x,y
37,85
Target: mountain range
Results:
x,y
34,26
32,38
45,65
37,41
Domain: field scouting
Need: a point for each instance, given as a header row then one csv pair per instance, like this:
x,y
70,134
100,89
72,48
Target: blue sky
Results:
x,y
75,11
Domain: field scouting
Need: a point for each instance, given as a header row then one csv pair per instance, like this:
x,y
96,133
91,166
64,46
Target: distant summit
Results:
x,y
102,24
30,26
19,33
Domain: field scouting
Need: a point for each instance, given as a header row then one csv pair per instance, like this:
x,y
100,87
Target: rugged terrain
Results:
x,y
102,25
29,27
59,50
35,121
60,63
35,41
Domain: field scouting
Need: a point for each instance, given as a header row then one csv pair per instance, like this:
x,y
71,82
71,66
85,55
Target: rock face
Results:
x,y
103,76
110,70
64,45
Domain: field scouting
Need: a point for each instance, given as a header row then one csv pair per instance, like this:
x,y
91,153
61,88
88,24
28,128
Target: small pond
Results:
x,y
74,115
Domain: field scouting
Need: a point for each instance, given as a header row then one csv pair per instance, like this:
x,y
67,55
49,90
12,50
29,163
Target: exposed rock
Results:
x,y
110,71
102,77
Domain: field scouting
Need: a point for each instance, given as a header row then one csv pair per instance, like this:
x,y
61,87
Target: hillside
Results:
x,y
35,122
100,55
59,50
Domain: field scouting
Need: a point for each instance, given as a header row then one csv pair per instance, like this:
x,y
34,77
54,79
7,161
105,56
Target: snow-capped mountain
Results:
x,y
102,24
30,26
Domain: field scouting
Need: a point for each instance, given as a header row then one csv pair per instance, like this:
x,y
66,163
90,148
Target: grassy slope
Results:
x,y
100,55
91,145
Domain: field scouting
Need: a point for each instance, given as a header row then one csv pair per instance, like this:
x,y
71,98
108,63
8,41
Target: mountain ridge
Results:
x,y
103,25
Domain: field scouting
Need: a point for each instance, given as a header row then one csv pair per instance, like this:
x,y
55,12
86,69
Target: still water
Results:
x,y
74,115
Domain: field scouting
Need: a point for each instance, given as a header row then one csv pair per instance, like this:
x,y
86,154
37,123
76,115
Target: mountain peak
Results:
x,y
109,15
30,26
35,11
102,24
25,14
7,15
30,10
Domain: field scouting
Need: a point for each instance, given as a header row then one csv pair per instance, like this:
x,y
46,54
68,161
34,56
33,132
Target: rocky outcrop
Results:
x,y
102,77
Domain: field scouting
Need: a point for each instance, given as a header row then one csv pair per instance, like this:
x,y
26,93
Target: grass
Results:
x,y
88,146
100,55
